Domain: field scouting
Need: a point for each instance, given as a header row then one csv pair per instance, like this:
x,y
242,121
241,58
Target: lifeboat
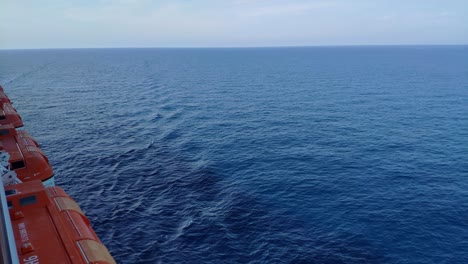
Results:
x,y
39,223
29,140
8,115
50,227
4,98
26,158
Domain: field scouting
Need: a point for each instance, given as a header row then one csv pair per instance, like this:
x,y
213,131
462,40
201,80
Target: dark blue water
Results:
x,y
291,155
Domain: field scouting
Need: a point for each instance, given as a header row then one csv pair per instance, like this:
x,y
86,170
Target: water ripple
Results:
x,y
306,155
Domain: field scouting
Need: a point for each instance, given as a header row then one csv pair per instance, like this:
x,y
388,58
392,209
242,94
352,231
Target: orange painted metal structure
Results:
x,y
49,227
9,115
29,140
26,158
4,98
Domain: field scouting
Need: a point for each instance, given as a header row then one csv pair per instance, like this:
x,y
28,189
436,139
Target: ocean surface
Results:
x,y
257,155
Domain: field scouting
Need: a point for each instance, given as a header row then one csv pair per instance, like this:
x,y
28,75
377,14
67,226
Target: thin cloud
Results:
x,y
122,23
286,9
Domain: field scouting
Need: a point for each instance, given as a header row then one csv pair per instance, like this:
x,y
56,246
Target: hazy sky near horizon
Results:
x,y
209,23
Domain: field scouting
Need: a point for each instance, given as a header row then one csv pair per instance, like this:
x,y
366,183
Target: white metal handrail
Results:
x,y
8,252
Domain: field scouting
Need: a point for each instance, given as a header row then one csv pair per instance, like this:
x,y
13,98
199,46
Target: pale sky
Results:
x,y
230,23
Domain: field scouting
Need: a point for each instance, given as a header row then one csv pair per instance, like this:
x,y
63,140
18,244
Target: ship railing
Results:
x,y
8,252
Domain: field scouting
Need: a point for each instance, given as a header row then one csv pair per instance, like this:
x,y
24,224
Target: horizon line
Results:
x,y
244,47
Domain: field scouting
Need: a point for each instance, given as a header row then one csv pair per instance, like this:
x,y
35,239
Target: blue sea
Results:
x,y
257,155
